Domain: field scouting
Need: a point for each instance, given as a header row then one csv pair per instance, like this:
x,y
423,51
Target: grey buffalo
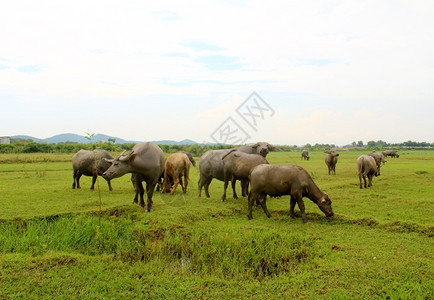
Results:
x,y
277,180
90,163
331,159
237,166
145,159
366,167
211,165
305,155
391,153
379,158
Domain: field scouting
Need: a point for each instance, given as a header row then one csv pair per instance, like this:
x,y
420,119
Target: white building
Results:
x,y
5,139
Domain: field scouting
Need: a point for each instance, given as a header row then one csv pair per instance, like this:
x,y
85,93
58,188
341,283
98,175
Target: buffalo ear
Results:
x,y
110,161
271,147
127,157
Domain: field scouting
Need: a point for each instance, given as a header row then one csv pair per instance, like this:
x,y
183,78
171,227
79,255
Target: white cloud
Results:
x,y
342,54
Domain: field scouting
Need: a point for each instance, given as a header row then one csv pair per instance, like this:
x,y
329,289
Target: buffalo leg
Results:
x,y
263,202
202,183
224,190
78,180
141,192
149,191
93,182
175,183
184,189
207,183
244,188
74,177
292,206
364,180
110,185
300,203
233,181
360,179
370,179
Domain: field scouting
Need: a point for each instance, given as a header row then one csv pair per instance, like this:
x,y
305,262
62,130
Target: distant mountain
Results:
x,y
75,138
170,142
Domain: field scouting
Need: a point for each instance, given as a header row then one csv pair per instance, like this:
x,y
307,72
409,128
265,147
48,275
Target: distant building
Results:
x,y
5,139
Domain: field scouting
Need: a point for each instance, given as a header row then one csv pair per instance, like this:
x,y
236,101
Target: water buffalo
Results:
x,y
331,159
391,153
211,164
190,157
277,180
176,166
90,163
367,167
379,158
305,155
237,166
145,159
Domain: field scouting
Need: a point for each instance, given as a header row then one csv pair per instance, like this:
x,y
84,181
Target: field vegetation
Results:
x,y
65,243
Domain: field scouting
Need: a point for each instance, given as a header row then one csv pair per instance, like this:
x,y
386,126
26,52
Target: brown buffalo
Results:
x,y
177,165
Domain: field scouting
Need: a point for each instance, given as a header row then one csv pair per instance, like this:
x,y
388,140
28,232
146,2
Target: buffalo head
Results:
x,y
119,166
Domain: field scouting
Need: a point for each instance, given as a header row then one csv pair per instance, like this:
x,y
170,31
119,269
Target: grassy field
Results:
x,y
64,243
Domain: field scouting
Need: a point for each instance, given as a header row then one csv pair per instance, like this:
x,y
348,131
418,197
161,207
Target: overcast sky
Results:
x,y
323,71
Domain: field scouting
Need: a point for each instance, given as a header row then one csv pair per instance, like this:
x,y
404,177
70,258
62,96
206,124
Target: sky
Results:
x,y
285,72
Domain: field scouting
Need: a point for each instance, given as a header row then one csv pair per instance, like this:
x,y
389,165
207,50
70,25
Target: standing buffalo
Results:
x,y
277,180
145,159
367,167
331,160
391,153
379,158
190,157
237,166
211,164
176,166
305,155
90,163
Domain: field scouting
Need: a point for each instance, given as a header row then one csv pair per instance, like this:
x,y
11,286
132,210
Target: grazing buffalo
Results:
x,y
211,164
379,158
177,165
237,166
305,155
331,159
391,153
367,167
90,163
277,180
145,159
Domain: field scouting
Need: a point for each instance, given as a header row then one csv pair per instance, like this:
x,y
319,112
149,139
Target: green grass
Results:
x,y
55,242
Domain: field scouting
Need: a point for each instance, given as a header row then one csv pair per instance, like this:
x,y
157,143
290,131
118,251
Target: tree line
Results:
x,y
28,146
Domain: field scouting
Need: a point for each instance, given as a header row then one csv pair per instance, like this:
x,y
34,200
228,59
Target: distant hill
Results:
x,y
75,138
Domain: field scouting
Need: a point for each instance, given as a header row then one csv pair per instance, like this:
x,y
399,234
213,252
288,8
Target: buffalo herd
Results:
x,y
248,164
